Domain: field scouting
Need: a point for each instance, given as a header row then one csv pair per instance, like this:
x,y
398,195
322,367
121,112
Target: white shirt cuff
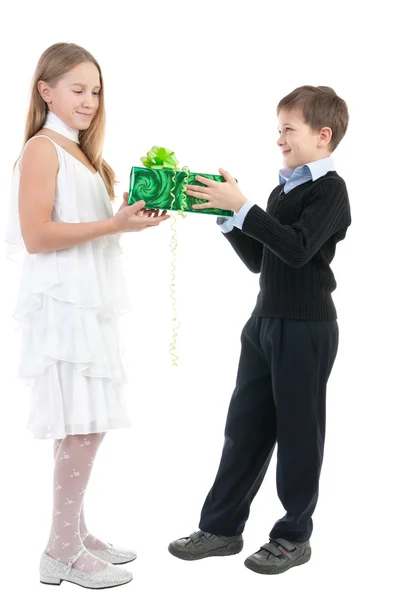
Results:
x,y
228,224
241,215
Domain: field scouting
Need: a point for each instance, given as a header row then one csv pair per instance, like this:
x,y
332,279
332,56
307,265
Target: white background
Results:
x,y
204,79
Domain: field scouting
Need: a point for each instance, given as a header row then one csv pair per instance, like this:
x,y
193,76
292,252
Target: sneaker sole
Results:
x,y
228,550
277,570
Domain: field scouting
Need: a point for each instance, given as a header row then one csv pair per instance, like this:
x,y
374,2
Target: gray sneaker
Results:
x,y
201,545
278,556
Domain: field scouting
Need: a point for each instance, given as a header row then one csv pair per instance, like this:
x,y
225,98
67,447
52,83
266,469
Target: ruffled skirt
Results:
x,y
68,309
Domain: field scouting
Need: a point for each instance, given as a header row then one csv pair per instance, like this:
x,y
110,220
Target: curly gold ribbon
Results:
x,y
162,158
173,246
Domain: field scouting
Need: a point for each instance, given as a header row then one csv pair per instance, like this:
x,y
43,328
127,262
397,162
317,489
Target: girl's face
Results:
x,y
75,98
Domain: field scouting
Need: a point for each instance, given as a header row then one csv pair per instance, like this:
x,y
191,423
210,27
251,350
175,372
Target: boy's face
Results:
x,y
298,143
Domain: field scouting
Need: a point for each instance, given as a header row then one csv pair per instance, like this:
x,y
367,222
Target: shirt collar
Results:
x,y
316,168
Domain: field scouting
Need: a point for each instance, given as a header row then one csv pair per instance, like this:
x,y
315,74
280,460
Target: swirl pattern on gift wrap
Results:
x,y
153,187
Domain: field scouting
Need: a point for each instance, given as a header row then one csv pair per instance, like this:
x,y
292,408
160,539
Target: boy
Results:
x,y
290,342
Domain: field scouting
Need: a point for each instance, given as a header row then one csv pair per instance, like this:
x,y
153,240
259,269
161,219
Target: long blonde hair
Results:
x,y
54,63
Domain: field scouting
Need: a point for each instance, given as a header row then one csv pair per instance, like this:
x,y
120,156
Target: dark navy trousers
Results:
x,y
279,398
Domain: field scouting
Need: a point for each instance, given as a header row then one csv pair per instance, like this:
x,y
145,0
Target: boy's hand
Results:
x,y
224,195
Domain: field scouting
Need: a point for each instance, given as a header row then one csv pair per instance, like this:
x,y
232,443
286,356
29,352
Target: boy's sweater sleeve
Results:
x,y
247,248
327,212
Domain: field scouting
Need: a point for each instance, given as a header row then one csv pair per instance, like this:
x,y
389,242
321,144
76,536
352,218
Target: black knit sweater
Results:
x,y
292,244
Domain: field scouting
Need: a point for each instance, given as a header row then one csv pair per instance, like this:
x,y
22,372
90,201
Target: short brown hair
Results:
x,y
321,107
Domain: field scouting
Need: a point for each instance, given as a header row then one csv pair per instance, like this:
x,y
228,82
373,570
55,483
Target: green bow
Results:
x,y
160,158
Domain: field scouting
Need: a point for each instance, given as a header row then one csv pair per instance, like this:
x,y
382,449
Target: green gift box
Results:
x,y
162,186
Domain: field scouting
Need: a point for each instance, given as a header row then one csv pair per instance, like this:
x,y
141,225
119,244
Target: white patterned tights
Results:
x,y
74,457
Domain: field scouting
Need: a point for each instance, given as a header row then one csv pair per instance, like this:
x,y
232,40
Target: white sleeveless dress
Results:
x,y
68,307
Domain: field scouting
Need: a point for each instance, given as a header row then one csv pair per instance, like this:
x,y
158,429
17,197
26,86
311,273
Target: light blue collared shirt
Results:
x,y
291,178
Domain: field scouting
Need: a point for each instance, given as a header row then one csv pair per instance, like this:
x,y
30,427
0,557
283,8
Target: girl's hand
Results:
x,y
151,212
136,217
224,195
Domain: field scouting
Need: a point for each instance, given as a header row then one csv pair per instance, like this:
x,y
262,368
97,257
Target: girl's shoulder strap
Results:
x,y
56,146
43,136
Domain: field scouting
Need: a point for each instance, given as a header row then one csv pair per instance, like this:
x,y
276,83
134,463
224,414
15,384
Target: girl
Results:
x,y
72,292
